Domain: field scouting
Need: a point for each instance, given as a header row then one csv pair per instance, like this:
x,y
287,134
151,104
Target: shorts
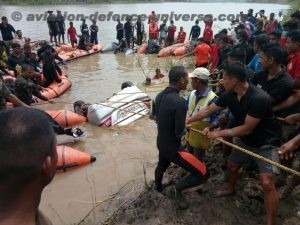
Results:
x,y
73,42
128,37
267,151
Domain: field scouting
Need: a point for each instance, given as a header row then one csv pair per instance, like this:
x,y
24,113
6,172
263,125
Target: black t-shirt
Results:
x,y
248,50
170,110
7,31
279,88
51,20
14,60
254,103
60,22
128,29
120,33
195,31
94,27
222,56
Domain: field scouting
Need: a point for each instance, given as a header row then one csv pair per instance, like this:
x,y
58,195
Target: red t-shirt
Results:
x,y
293,67
207,35
72,33
202,52
181,37
171,32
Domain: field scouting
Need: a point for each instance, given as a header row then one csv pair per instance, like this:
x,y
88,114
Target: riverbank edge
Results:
x,y
294,4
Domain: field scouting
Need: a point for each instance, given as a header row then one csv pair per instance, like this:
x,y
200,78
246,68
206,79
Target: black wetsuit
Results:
x,y
50,67
195,32
170,111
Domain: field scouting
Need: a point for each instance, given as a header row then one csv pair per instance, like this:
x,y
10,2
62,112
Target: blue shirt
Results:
x,y
7,31
213,118
255,64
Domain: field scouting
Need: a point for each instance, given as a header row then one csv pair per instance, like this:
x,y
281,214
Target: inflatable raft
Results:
x,y
66,118
54,90
70,158
121,109
67,53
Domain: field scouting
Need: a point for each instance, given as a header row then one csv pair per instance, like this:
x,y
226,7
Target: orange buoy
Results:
x,y
142,49
180,51
67,118
70,158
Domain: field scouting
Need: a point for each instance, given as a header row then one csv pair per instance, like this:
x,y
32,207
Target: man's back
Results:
x,y
170,110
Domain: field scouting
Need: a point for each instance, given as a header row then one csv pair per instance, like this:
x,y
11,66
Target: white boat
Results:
x,y
121,109
109,47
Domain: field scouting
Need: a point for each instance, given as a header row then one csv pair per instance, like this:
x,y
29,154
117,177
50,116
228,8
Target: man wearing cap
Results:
x,y
201,97
6,32
52,26
61,26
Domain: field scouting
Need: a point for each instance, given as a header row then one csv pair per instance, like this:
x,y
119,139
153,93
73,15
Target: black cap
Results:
x,y
50,11
15,45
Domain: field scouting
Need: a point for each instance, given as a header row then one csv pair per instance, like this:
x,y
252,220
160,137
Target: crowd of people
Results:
x,y
257,63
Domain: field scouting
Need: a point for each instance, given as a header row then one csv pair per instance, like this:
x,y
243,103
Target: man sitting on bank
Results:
x,y
255,128
27,165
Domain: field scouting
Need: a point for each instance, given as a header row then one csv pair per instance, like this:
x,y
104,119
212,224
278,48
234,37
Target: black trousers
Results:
x,y
188,163
139,38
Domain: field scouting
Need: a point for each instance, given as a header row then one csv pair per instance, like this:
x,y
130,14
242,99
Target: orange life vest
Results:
x,y
153,31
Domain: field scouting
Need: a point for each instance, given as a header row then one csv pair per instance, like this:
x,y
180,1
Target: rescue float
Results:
x,y
68,53
66,118
70,158
54,90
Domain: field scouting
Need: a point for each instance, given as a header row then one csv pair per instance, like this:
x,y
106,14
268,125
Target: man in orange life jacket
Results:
x,y
181,35
153,30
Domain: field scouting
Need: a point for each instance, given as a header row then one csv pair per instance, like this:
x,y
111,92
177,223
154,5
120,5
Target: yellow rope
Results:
x,y
278,165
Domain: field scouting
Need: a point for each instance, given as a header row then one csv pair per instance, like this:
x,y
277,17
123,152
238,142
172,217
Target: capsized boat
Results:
x,y
121,109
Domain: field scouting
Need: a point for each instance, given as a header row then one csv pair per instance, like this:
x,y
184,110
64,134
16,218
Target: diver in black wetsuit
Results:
x,y
170,113
51,70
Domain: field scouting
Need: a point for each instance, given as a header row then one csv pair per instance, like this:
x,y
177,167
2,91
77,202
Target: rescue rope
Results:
x,y
278,165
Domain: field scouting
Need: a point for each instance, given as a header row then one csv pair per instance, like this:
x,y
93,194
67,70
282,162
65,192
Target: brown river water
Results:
x,y
121,151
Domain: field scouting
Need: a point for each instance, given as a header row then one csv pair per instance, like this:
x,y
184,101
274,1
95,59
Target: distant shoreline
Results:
x,y
69,2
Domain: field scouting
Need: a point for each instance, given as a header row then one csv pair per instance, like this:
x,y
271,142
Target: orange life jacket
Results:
x,y
153,31
181,36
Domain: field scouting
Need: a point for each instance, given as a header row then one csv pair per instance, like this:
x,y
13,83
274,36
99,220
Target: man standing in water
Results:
x,y
27,165
255,128
170,112
61,27
52,26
